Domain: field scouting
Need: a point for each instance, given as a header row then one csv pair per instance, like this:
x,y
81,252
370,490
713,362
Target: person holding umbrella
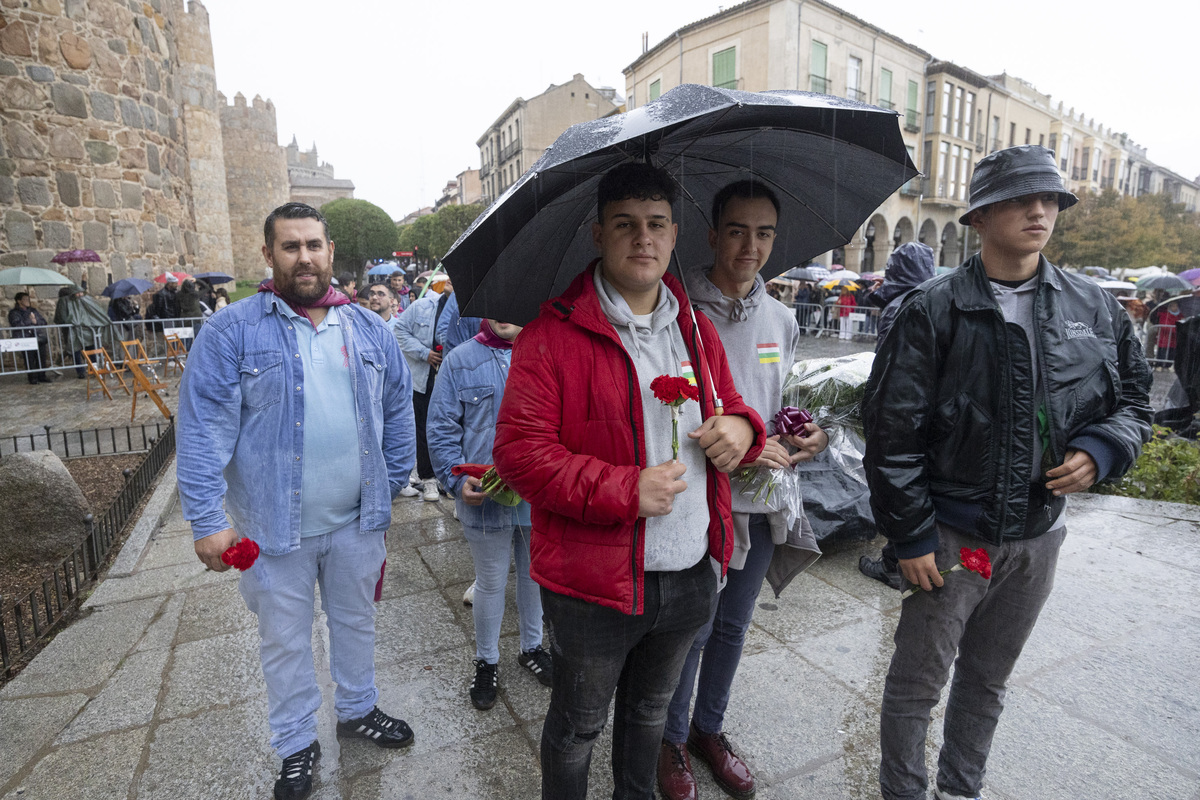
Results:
x,y
628,542
1002,387
732,294
25,320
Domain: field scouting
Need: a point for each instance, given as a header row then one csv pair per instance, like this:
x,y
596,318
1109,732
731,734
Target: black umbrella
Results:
x,y
831,161
127,287
214,277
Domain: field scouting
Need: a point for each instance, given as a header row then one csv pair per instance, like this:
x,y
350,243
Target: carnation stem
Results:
x,y
674,433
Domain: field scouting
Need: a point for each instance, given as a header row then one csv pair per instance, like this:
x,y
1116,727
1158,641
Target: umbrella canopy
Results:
x,y
211,277
839,281
1096,272
127,287
386,268
811,274
831,162
1116,285
71,256
32,276
1192,276
1170,283
182,276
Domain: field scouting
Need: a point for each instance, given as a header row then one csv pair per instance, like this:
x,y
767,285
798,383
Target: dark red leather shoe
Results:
x,y
729,771
675,778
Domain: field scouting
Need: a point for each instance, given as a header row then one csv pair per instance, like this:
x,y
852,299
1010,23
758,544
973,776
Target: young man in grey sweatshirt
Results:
x,y
759,334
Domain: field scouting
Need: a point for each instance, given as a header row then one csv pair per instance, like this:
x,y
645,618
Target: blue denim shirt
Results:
x,y
414,333
241,414
462,426
452,329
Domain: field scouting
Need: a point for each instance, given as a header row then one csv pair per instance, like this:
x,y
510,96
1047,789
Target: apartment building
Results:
x,y
522,133
950,116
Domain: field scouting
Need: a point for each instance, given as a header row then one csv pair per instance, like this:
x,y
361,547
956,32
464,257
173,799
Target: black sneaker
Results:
x,y
295,776
538,662
379,728
483,688
877,568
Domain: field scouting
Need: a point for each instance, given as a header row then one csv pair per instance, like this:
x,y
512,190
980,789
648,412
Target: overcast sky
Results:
x,y
395,94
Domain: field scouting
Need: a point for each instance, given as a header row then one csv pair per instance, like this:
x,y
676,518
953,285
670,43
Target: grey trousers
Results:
x,y
986,623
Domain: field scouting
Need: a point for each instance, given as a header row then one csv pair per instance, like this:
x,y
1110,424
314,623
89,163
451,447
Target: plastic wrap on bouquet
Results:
x,y
835,491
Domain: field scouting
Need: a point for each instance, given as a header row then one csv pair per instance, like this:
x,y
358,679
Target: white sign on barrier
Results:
x,y
858,316
182,333
15,345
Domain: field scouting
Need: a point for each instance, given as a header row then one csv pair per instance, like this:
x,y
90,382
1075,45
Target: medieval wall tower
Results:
x,y
256,177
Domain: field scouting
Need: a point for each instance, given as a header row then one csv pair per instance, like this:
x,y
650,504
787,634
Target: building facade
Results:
x,y
522,133
950,116
311,180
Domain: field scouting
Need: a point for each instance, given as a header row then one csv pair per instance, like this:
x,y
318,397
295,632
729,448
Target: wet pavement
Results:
x,y
156,691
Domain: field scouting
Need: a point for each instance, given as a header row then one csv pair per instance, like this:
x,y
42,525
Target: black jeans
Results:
x,y
420,417
598,650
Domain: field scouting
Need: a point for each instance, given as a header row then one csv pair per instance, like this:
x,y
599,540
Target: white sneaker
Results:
x,y
429,491
940,795
469,595
409,491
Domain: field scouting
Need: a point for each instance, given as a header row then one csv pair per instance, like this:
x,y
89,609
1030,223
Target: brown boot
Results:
x,y
675,778
729,771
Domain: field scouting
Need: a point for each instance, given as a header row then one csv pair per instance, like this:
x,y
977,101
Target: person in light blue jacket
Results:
x,y
295,420
453,329
415,335
462,427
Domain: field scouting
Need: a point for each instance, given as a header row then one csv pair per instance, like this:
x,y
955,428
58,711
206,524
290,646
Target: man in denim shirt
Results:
x,y
296,411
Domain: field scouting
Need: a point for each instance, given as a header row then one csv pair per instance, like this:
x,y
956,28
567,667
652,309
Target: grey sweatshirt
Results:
x,y
760,337
654,343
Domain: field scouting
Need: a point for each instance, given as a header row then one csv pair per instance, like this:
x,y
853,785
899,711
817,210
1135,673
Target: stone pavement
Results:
x,y
156,691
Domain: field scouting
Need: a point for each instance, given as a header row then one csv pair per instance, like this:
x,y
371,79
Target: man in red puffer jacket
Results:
x,y
629,542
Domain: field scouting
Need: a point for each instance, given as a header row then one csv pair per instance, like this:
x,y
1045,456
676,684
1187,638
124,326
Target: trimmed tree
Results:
x,y
360,231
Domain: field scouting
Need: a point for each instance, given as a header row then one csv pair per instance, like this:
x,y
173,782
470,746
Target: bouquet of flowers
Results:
x,y
976,561
674,392
755,481
490,482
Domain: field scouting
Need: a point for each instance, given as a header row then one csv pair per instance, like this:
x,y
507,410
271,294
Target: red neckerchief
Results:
x,y
332,298
488,337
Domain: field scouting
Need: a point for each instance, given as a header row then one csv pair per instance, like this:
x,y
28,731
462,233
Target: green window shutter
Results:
x,y
724,64
655,90
816,68
885,88
912,95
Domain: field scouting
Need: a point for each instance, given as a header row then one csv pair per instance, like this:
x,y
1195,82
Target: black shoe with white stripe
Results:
x,y
539,662
483,688
295,776
379,728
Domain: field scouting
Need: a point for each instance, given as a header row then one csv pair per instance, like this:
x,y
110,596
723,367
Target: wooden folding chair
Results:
x,y
99,366
176,354
145,379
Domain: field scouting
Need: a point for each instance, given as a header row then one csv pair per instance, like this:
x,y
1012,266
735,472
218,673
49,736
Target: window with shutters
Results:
x,y
724,68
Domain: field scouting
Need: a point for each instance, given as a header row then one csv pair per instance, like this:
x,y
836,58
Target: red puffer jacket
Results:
x,y
569,439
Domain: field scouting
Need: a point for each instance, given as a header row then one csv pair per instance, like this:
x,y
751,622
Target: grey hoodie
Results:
x,y
760,337
679,539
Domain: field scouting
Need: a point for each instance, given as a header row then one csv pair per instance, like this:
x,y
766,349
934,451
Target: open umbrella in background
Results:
x,y
211,277
1168,283
386,268
1192,276
181,276
127,287
32,276
831,161
810,274
75,256
839,282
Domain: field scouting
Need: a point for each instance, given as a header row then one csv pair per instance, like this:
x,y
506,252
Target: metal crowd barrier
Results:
x,y
23,354
862,323
1160,341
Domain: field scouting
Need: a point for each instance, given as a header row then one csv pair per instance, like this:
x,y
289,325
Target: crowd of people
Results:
x,y
638,561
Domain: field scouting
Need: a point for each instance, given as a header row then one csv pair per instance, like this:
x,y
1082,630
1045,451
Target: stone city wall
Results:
x,y
93,151
256,178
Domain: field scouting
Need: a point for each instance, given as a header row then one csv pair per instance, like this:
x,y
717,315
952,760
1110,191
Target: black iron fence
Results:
x,y
25,623
87,442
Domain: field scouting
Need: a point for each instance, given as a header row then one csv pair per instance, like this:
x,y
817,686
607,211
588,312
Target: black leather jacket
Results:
x,y
950,412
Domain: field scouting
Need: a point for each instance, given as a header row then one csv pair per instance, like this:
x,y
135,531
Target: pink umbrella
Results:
x,y
71,256
1192,276
182,276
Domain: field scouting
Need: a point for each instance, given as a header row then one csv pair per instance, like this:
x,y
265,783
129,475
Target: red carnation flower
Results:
x,y
976,561
242,555
674,392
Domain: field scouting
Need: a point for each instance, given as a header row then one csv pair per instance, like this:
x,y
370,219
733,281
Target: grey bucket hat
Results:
x,y
1015,172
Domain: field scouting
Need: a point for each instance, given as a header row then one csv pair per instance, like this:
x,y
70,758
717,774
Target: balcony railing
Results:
x,y
510,150
910,121
856,94
888,104
996,144
914,187
1074,173
979,141
819,85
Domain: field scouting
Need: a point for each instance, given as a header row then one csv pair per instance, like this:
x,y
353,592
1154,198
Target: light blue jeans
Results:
x,y
490,550
280,591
